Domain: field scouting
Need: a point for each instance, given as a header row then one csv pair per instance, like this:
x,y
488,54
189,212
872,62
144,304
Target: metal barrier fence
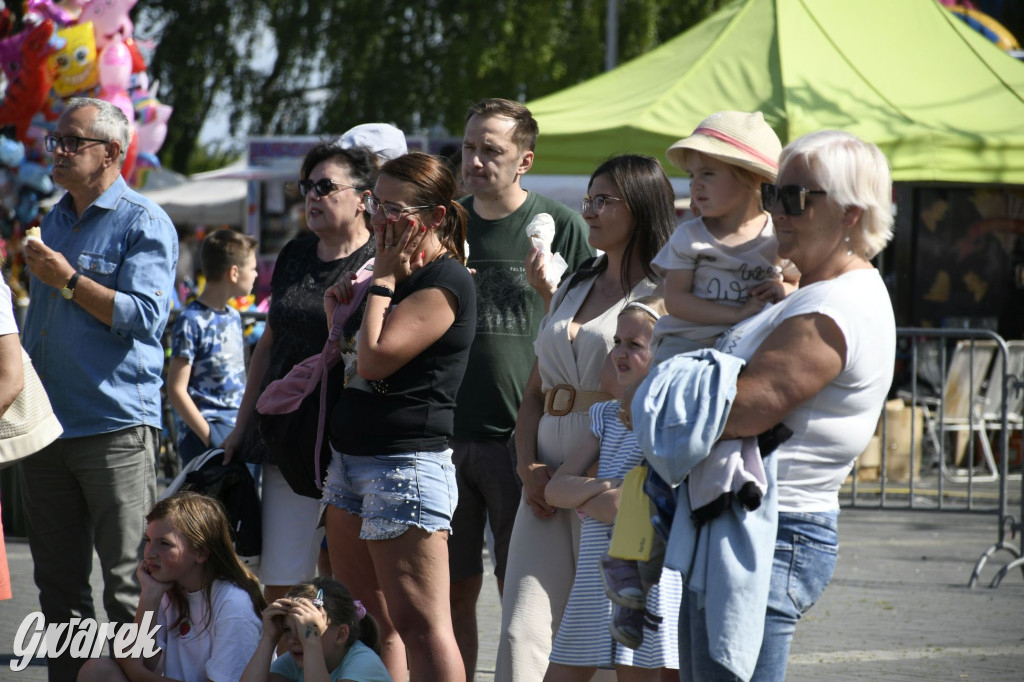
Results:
x,y
946,437
950,383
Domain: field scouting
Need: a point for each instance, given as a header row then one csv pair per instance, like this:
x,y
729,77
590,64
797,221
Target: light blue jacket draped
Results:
x,y
679,412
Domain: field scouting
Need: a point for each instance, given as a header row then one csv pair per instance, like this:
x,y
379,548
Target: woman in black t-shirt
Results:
x,y
340,239
390,491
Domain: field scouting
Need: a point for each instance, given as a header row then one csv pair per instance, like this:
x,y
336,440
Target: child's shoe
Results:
x,y
627,626
622,583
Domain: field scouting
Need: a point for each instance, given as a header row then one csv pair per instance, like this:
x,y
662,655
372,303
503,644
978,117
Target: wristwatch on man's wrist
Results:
x,y
68,292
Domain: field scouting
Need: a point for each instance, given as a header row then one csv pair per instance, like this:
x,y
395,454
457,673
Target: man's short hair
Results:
x,y
225,248
110,123
524,134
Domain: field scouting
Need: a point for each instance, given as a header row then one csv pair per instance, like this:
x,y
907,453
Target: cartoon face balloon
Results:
x,y
110,18
75,64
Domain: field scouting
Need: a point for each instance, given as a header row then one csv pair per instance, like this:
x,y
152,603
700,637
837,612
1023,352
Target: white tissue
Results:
x,y
541,232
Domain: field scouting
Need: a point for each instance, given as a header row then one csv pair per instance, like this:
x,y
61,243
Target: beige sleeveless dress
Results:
x,y
542,552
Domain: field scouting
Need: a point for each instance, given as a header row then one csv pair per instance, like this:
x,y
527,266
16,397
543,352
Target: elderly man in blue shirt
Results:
x,y
102,278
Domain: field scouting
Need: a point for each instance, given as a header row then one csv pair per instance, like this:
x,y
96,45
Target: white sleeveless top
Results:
x,y
832,428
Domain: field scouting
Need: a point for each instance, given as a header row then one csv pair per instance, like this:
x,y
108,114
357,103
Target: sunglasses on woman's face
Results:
x,y
792,197
322,187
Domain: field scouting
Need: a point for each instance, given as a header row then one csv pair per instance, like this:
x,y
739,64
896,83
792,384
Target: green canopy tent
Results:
x,y
943,103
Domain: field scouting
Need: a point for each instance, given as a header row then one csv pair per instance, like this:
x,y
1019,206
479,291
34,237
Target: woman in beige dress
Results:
x,y
629,208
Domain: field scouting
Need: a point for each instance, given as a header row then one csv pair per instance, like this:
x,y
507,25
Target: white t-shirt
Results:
x,y
218,649
834,426
7,323
721,273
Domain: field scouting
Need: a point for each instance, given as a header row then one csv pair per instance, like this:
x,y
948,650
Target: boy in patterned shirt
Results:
x,y
206,378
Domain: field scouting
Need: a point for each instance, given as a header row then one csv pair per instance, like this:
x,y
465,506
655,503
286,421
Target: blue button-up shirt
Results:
x,y
105,378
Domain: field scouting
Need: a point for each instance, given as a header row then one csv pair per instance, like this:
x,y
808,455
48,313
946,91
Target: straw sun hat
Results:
x,y
736,138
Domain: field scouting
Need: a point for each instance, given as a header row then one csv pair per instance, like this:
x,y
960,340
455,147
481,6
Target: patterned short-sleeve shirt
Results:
x,y
211,340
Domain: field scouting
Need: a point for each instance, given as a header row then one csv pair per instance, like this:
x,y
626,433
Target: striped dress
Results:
x,y
583,638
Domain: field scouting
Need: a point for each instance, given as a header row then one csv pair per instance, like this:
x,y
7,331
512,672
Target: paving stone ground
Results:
x,y
898,608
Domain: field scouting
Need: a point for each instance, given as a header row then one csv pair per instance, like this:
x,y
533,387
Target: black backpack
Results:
x,y
233,486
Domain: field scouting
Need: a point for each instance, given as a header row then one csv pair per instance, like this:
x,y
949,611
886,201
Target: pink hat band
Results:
x,y
718,135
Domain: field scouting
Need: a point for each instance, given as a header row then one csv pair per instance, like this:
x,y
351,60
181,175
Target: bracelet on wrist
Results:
x,y
381,290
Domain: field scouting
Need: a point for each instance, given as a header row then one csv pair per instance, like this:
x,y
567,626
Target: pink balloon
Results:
x,y
115,65
163,112
151,136
120,99
109,18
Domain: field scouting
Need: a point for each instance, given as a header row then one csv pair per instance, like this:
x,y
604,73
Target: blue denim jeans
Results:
x,y
806,546
190,446
805,558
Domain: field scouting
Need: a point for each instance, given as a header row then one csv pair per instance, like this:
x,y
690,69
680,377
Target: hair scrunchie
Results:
x,y
360,609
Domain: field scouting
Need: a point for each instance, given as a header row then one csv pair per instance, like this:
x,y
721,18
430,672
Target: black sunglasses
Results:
x,y
323,187
792,197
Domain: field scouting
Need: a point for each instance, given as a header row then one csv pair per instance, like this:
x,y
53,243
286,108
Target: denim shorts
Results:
x,y
393,493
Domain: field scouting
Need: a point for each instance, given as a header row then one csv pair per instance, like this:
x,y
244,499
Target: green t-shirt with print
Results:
x,y
509,312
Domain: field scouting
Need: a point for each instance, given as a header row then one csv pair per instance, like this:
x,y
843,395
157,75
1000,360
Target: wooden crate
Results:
x,y
899,461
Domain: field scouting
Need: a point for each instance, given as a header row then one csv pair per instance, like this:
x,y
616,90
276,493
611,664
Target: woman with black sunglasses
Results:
x,y
820,362
339,240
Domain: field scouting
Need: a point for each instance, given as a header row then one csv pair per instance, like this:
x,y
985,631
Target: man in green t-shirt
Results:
x,y
497,151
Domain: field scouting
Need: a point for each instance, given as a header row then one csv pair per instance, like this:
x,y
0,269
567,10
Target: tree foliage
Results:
x,y
309,67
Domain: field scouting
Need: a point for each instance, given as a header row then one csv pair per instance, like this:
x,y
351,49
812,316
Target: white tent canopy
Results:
x,y
203,198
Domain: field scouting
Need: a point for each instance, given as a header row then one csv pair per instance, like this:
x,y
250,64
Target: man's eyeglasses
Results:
x,y
792,197
69,144
392,212
322,187
598,202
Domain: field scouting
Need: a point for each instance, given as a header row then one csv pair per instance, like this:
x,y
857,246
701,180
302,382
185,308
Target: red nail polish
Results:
x,y
423,254
423,228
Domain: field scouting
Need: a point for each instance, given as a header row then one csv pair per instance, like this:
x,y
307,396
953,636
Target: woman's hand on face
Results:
x,y
148,584
535,477
398,248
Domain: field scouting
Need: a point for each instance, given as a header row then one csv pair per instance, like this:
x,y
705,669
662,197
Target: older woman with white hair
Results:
x,y
820,362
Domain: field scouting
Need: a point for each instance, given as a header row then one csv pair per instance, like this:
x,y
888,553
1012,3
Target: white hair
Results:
x,y
110,123
854,173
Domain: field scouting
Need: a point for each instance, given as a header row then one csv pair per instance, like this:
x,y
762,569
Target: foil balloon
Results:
x,y
120,99
138,63
110,19
30,77
153,131
145,164
75,63
63,13
115,65
130,156
12,152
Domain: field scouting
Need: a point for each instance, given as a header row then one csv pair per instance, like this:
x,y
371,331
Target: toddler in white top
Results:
x,y
723,266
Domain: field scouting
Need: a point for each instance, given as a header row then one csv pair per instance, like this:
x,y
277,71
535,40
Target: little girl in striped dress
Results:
x,y
591,635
